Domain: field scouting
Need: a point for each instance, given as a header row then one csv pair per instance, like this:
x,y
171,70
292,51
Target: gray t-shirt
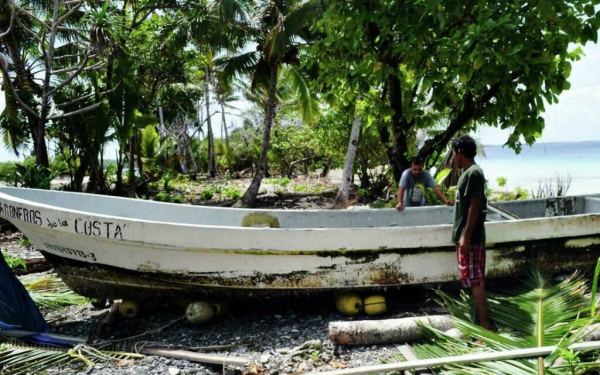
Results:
x,y
414,193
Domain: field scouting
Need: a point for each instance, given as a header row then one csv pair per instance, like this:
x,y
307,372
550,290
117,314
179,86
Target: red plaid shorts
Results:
x,y
472,266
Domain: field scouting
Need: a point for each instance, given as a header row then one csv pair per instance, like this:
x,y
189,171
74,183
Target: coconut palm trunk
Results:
x,y
212,160
249,197
341,200
226,139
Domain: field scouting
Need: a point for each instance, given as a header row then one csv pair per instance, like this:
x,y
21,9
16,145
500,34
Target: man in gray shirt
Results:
x,y
414,181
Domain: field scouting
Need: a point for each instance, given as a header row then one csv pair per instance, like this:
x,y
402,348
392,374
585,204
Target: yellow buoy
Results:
x,y
129,309
200,312
349,304
375,305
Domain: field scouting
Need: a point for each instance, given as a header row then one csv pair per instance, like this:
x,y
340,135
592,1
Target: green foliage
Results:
x,y
167,177
177,199
233,193
284,181
14,263
7,168
533,312
33,176
501,181
207,194
162,197
26,242
300,188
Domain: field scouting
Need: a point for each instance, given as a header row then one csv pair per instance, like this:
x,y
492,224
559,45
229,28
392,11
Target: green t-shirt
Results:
x,y
471,184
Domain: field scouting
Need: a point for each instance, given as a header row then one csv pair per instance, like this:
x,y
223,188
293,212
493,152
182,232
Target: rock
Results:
x,y
325,357
264,358
173,371
302,367
278,317
295,331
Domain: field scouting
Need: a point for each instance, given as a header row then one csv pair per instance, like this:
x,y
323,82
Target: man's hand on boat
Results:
x,y
400,205
464,244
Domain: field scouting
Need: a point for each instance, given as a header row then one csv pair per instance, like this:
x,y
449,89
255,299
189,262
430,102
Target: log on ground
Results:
x,y
389,331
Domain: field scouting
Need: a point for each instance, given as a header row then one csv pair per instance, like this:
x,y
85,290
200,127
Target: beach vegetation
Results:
x,y
556,187
532,312
145,76
14,263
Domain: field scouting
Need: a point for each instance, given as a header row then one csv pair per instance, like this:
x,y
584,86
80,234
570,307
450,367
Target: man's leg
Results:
x,y
482,307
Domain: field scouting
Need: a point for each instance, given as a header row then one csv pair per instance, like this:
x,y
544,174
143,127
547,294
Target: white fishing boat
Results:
x,y
113,247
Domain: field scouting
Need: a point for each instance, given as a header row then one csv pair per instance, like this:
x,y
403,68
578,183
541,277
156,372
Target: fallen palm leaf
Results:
x,y
535,313
16,359
50,292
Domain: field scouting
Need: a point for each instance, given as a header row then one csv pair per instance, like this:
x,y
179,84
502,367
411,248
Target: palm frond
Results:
x,y
534,312
308,102
237,66
18,358
51,292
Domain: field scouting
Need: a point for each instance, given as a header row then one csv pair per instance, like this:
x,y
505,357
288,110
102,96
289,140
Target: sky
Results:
x,y
575,118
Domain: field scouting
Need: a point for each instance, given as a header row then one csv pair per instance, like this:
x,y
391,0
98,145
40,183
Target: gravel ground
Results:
x,y
287,335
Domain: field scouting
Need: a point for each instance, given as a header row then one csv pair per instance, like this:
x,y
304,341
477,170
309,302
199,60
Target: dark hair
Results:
x,y
416,161
466,145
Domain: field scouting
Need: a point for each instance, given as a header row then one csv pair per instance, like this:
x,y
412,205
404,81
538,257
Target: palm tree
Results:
x,y
278,28
225,96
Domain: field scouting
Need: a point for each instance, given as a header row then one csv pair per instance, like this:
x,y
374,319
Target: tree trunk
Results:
x,y
181,155
227,156
249,197
373,332
341,200
399,128
212,160
131,171
119,182
138,147
192,157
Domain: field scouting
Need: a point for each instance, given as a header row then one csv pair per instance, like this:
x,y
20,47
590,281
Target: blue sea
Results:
x,y
542,163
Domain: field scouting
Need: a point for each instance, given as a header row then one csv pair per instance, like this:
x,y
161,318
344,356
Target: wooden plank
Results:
x,y
410,355
502,212
459,359
198,357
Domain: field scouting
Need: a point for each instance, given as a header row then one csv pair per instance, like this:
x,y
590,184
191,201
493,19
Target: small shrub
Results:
x,y
162,197
177,199
233,193
33,176
280,181
207,194
25,242
6,170
167,178
300,188
153,185
14,263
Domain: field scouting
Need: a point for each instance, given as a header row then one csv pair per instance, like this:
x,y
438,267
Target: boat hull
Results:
x,y
104,256
362,270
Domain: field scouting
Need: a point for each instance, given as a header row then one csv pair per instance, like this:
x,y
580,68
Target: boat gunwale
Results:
x,y
304,229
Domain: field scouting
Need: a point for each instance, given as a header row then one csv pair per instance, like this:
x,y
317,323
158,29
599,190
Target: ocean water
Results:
x,y
542,163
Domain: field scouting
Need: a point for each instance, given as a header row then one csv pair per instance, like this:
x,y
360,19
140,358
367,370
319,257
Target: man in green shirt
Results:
x,y
468,232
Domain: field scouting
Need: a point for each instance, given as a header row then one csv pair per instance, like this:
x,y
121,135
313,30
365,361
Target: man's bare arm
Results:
x,y
400,205
444,199
465,239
